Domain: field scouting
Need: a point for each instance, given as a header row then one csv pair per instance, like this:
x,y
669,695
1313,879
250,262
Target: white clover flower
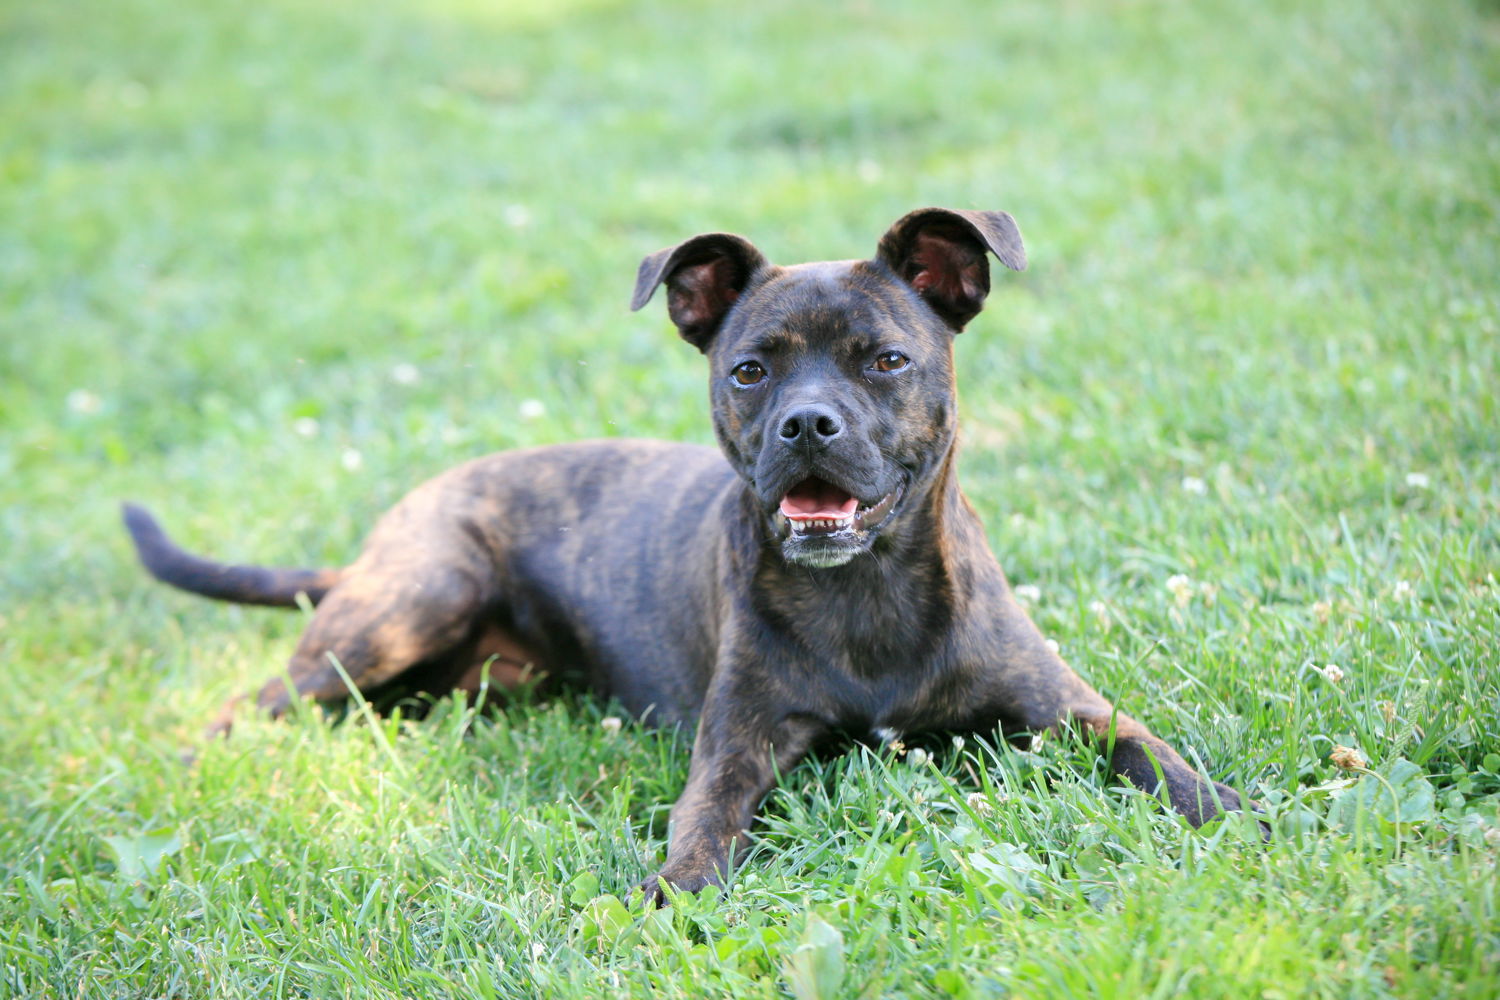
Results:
x,y
516,216
532,409
917,757
1418,480
1180,586
305,427
405,374
1028,593
1402,591
1332,673
1052,645
351,460
1322,611
869,171
1194,485
83,402
1100,611
980,803
611,724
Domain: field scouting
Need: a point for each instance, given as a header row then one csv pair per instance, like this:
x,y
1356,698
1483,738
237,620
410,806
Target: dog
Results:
x,y
819,573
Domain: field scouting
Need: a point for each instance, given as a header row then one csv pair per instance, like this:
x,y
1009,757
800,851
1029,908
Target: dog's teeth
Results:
x,y
822,524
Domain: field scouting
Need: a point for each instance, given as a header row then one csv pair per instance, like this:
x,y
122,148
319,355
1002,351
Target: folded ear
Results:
x,y
941,254
704,276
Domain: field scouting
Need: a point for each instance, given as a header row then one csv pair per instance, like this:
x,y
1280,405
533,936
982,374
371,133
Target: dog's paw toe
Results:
x,y
658,890
649,893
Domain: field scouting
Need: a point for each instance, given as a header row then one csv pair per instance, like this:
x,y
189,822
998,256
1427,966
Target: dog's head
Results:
x,y
832,383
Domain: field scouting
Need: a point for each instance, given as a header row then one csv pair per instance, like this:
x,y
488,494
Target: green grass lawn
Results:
x,y
264,267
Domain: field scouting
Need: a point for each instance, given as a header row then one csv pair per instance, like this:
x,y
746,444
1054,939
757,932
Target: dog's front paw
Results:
x,y
1234,802
1229,799
653,891
1200,800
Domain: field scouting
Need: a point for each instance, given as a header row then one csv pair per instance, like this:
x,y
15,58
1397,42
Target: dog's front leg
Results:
x,y
1149,763
1039,691
743,742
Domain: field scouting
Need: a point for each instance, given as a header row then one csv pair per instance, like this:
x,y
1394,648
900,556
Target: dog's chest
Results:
x,y
869,643
878,673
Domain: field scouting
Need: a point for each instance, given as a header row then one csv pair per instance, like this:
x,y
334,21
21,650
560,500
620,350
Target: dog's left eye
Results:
x,y
748,373
891,361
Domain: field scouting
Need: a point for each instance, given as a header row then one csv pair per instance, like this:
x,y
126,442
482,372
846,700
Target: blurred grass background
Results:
x,y
266,268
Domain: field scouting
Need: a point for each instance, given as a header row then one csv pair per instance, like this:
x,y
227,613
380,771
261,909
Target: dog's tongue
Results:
x,y
813,498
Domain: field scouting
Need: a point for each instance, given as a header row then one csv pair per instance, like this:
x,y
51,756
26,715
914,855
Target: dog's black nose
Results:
x,y
811,427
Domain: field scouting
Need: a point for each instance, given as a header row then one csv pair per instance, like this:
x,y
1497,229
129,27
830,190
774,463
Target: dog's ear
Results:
x,y
941,254
704,276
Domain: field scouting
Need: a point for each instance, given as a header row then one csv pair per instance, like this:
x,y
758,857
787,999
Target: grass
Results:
x,y
266,267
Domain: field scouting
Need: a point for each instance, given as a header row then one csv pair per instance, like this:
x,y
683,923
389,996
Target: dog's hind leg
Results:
x,y
496,660
374,626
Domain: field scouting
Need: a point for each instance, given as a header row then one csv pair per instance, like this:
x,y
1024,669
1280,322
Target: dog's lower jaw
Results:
x,y
823,549
823,556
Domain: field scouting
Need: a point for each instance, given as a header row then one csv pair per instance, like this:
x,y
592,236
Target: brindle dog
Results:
x,y
828,577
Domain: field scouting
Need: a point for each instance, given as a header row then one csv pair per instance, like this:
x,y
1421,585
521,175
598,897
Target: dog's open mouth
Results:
x,y
814,507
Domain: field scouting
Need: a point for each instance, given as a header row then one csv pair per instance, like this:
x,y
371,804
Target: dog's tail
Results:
x,y
277,588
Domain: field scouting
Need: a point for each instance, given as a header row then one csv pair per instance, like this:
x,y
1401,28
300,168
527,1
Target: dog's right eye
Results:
x,y
748,373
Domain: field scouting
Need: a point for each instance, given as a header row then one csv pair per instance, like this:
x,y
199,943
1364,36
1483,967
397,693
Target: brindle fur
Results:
x,y
659,571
